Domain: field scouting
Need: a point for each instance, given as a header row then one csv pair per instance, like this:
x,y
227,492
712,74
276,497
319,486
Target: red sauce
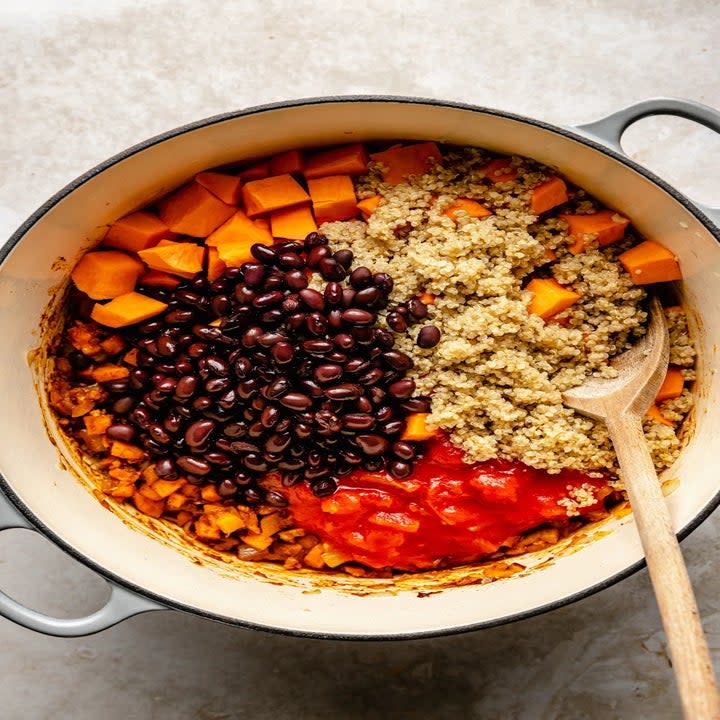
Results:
x,y
447,513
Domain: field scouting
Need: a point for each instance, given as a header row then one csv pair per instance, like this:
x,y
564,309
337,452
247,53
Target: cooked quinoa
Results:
x,y
497,375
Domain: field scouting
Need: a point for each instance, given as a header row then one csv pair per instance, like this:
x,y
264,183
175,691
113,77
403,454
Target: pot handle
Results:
x,y
609,130
121,605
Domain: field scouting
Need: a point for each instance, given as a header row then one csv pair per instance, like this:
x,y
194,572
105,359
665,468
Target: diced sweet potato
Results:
x,y
240,229
650,262
333,198
137,231
224,187
153,508
126,451
656,415
158,278
500,170
273,193
209,494
287,162
549,297
184,259
193,210
672,386
113,344
606,226
165,488
215,266
294,223
547,195
106,274
229,521
108,372
416,427
399,163
369,205
175,502
126,310
257,171
97,424
346,160
469,207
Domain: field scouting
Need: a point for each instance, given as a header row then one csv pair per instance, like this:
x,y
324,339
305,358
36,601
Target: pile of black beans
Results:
x,y
290,379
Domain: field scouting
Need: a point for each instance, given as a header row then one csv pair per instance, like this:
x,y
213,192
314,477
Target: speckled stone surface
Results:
x,y
84,79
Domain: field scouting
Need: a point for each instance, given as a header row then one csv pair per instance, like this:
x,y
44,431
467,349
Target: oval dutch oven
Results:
x,y
151,569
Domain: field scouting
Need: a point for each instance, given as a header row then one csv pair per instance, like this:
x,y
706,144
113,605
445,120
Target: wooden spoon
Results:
x,y
622,402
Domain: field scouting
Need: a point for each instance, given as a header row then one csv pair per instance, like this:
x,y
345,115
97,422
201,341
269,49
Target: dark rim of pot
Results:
x,y
570,133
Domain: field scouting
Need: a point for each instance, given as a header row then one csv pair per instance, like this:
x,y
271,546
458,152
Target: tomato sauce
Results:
x,y
448,512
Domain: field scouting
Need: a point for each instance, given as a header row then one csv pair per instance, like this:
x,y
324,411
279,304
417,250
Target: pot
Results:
x,y
154,569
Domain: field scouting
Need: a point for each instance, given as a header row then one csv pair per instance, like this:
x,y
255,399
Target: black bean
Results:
x,y
220,305
289,246
252,496
377,395
242,478
397,360
275,499
327,373
313,240
196,466
150,327
383,413
254,274
216,385
227,488
336,357
333,293
372,444
416,405
344,258
180,317
343,392
290,478
331,269
117,386
317,347
384,282
357,316
317,254
393,427
356,365
428,337
235,429
296,280
360,277
417,308
327,422
278,442
78,360
344,341
166,346
173,421
123,405
312,298
296,401
358,421
324,487
402,389
198,433
269,339
215,457
255,462
371,377
316,324
141,416
251,336
283,352
367,297
384,338
165,468
290,260
269,416
402,310
197,349
263,253
363,404
244,294
363,334
348,297
121,431
267,299
373,464
396,322
403,450
159,434
311,388
400,469
242,366
303,430
276,388
220,285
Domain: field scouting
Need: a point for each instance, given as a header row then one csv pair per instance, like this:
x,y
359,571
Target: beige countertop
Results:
x,y
85,79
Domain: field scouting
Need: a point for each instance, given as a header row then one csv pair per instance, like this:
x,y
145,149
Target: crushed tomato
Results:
x,y
448,512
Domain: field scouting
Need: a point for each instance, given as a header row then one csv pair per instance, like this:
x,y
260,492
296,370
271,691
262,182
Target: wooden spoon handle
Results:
x,y
690,655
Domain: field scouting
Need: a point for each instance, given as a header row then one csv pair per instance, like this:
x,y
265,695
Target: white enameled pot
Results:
x,y
149,567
